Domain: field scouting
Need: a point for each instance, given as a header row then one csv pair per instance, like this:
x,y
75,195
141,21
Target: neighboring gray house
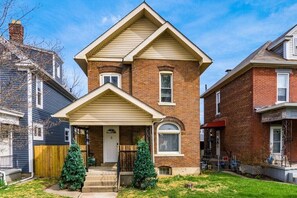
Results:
x,y
31,91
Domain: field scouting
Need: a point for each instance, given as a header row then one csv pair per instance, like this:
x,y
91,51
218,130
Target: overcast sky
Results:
x,y
227,31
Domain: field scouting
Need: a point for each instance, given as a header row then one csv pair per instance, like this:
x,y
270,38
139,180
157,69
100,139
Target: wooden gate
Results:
x,y
49,160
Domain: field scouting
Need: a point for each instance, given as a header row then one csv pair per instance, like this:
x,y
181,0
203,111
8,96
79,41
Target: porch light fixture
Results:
x,y
110,131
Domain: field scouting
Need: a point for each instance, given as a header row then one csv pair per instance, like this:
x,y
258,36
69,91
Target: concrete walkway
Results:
x,y
75,194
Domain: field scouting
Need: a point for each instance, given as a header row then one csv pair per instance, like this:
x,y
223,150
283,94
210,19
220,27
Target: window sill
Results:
x,y
169,155
280,102
39,107
166,104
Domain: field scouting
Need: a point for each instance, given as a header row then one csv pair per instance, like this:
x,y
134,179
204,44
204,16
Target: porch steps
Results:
x,y
101,179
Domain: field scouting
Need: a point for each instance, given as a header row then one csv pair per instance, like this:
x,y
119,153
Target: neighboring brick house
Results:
x,y
250,114
143,81
31,91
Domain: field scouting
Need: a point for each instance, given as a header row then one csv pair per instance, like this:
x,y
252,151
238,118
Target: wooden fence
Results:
x,y
49,160
127,157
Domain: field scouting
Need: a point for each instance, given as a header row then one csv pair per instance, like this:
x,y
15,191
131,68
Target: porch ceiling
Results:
x,y
109,105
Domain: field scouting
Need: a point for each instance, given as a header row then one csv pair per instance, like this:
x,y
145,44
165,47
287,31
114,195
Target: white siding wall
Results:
x,y
290,45
126,41
110,109
166,47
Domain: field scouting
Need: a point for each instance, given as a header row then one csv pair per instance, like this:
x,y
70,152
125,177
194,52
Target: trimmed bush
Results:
x,y
73,172
144,174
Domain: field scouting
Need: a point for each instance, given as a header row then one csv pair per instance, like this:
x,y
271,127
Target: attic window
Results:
x,y
295,46
58,68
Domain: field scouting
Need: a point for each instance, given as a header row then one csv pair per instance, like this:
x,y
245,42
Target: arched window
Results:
x,y
169,139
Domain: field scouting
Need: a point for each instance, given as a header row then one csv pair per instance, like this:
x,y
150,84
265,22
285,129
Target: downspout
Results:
x,y
153,138
30,121
4,177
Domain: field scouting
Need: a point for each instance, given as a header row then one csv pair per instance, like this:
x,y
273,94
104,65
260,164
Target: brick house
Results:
x,y
250,114
31,90
143,82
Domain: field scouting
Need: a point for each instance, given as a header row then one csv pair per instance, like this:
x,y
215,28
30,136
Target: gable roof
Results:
x,y
283,37
25,61
64,113
197,52
260,56
142,10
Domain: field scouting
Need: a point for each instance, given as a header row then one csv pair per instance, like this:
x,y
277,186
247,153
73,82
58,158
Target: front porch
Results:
x,y
108,123
103,145
281,121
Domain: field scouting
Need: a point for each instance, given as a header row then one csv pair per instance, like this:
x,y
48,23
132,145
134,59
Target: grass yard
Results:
x,y
34,188
214,185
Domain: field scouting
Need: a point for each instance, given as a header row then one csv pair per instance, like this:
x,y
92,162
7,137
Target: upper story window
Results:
x,y
39,92
169,139
37,131
218,102
112,78
282,87
58,69
166,87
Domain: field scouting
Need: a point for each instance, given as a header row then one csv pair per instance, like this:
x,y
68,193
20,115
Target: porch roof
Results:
x,y
215,124
8,116
281,111
106,105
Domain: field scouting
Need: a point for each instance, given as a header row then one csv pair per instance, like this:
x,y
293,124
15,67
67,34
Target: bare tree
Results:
x,y
16,61
72,82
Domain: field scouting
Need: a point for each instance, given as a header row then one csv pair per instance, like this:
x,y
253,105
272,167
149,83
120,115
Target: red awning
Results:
x,y
216,124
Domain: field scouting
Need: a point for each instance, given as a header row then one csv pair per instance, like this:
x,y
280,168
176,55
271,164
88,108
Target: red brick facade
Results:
x,y
141,80
244,135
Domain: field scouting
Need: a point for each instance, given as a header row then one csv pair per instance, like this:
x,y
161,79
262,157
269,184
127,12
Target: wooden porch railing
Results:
x,y
127,155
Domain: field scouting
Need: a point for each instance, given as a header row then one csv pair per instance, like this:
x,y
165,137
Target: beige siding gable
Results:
x,y
110,109
166,47
127,40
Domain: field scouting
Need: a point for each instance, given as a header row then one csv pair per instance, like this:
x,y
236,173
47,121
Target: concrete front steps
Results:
x,y
101,179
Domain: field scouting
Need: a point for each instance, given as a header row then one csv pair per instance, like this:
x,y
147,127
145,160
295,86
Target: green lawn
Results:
x,y
214,185
34,189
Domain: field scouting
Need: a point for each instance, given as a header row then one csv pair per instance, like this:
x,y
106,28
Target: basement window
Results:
x,y
165,170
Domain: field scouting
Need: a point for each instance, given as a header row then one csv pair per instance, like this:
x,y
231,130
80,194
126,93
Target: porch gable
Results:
x,y
109,105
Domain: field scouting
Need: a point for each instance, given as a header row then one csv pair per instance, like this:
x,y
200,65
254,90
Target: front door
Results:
x,y
110,143
276,142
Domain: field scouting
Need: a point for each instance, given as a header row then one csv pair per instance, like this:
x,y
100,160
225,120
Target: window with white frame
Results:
x,y
39,92
166,87
67,134
37,131
112,78
169,139
295,46
282,87
218,102
276,139
58,69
